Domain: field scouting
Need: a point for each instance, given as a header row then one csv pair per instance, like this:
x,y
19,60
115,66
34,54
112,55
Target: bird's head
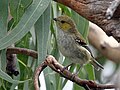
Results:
x,y
65,23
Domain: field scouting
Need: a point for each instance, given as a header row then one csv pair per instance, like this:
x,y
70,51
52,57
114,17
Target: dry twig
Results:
x,y
54,65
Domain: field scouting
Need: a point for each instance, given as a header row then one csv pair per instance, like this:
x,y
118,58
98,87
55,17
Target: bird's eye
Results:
x,y
62,21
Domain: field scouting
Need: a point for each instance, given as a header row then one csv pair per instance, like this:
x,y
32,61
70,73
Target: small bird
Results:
x,y
71,43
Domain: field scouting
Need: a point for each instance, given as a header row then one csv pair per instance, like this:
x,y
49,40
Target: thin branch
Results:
x,y
25,51
54,65
36,76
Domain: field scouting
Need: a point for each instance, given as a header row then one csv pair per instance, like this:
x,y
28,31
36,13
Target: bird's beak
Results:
x,y
55,19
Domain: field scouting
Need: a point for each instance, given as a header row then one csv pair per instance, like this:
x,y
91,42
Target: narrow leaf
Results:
x,y
28,19
42,27
6,77
3,30
3,17
81,23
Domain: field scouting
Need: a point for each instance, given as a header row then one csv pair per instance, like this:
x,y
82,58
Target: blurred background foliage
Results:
x,y
28,24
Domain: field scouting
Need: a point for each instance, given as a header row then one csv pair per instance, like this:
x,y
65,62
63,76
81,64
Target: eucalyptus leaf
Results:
x,y
3,60
90,71
26,87
81,23
13,86
42,28
3,17
31,15
6,77
3,30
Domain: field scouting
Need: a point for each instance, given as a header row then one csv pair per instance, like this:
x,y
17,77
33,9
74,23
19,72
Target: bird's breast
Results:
x,y
70,49
65,43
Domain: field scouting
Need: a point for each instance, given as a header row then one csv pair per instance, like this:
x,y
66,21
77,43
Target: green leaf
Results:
x,y
22,59
90,71
86,72
28,19
3,60
26,86
50,79
17,8
32,44
3,17
65,10
77,87
42,27
59,82
82,24
33,39
14,9
54,51
26,3
13,86
6,77
3,30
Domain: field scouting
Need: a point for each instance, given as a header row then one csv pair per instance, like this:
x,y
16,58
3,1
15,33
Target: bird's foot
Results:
x,y
66,67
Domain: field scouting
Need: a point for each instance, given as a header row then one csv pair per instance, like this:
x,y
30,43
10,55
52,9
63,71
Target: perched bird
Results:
x,y
71,43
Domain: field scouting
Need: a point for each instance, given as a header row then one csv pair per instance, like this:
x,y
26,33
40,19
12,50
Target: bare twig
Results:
x,y
36,76
25,51
53,64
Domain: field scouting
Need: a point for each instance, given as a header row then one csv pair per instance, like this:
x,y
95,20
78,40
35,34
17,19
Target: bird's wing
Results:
x,y
79,39
87,47
82,43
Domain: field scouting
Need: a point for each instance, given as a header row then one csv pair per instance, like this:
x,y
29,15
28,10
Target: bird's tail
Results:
x,y
96,64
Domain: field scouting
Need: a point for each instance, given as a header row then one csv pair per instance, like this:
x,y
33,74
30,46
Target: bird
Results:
x,y
71,43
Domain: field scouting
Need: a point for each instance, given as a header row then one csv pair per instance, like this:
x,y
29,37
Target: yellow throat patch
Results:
x,y
65,26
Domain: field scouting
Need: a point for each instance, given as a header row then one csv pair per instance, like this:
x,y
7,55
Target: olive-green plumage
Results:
x,y
71,43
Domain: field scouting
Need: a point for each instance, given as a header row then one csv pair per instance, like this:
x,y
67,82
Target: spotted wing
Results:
x,y
82,43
